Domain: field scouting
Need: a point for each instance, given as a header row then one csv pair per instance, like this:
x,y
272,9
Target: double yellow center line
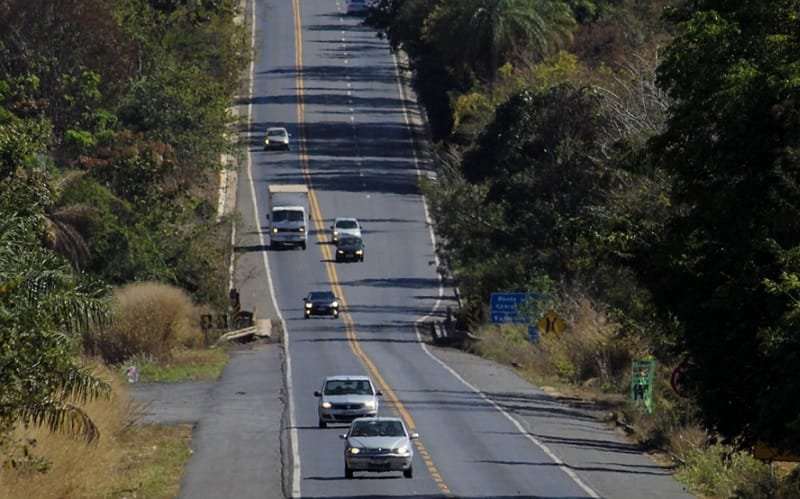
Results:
x,y
330,268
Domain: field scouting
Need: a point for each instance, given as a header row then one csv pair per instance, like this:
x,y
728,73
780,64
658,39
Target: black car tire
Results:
x,y
303,245
361,259
348,473
409,473
323,424
307,316
338,259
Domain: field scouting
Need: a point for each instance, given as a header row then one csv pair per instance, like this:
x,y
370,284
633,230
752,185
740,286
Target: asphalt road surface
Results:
x,y
483,431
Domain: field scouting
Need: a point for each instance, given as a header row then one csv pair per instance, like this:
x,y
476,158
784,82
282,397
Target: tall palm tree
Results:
x,y
503,28
43,306
482,35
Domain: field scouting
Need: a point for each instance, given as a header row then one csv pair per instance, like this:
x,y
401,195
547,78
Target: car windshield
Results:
x,y
350,242
287,216
321,296
347,387
346,224
377,429
275,133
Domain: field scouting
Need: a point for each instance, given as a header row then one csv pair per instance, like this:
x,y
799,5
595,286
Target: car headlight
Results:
x,y
403,450
302,229
369,404
274,230
359,252
326,405
340,252
336,233
335,304
353,450
308,304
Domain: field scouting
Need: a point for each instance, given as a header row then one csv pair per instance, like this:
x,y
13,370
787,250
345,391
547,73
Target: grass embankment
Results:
x,y
156,328
591,362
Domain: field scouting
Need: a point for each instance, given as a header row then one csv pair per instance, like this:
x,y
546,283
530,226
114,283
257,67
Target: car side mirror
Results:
x,y
267,216
379,393
343,436
317,394
414,436
305,299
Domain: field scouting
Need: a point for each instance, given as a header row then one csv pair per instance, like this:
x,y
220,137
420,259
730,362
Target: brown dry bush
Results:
x,y
150,320
592,348
75,469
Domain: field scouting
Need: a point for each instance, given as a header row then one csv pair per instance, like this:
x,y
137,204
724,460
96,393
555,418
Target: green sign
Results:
x,y
642,383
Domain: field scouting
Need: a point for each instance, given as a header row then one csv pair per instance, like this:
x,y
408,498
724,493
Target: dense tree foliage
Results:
x,y
725,262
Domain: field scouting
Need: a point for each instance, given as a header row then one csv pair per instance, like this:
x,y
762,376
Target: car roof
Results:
x,y
345,219
321,293
276,129
348,377
378,418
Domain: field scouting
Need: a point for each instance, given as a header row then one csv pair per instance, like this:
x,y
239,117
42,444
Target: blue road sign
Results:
x,y
504,307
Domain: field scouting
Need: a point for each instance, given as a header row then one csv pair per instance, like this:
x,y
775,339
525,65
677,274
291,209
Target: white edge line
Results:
x,y
295,473
561,465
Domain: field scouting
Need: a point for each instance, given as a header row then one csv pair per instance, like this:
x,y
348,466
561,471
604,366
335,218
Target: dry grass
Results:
x,y
116,462
150,319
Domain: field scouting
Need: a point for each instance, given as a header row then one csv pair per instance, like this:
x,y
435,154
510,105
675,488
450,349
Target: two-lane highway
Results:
x,y
334,85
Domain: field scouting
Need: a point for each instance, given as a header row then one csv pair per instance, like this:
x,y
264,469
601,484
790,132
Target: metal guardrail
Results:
x,y
262,329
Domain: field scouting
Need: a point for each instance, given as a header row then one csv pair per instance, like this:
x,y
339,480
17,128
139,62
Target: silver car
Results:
x,y
345,398
276,138
378,444
343,226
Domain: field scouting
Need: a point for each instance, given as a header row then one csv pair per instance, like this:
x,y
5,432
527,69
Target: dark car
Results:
x,y
350,249
321,303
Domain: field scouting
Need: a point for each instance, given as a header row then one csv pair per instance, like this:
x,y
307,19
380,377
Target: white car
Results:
x,y
344,398
344,226
276,138
380,445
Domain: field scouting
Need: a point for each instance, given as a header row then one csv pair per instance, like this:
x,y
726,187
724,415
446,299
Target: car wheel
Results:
x,y
409,473
361,259
348,473
307,316
303,245
323,424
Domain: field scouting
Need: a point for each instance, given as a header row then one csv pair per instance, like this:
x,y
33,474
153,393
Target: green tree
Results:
x,y
43,303
732,145
476,37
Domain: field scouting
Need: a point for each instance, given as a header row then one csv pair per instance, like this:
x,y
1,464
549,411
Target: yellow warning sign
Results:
x,y
551,323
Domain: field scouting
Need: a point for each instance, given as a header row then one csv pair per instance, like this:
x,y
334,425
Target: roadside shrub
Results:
x,y
150,319
721,471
